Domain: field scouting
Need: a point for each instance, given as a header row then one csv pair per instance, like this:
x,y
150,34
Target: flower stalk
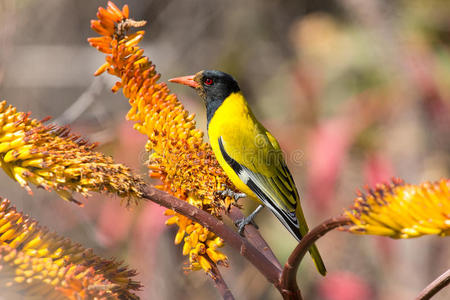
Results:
x,y
254,255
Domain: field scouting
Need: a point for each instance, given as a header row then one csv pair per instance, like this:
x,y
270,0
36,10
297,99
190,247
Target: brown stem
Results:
x,y
220,283
434,287
254,237
288,280
232,238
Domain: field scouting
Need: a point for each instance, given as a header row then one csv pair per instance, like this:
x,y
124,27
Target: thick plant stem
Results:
x,y
231,237
254,237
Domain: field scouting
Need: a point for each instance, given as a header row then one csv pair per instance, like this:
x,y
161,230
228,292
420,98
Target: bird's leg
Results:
x,y
247,220
227,192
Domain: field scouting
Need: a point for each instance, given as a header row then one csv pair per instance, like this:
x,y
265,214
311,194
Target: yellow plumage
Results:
x,y
247,142
248,153
237,115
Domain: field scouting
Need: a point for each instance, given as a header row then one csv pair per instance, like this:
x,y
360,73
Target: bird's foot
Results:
x,y
247,220
241,223
227,192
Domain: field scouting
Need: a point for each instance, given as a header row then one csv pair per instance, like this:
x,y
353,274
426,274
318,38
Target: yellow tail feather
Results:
x,y
317,260
313,249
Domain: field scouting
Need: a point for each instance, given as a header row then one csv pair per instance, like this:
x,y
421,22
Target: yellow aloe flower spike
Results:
x,y
400,210
30,252
179,158
24,276
51,157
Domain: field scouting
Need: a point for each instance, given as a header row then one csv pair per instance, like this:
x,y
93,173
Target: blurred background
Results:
x,y
355,91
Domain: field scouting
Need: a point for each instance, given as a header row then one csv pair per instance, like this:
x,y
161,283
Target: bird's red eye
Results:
x,y
209,81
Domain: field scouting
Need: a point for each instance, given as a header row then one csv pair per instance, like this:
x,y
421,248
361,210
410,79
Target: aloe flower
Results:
x,y
52,158
184,163
36,262
400,210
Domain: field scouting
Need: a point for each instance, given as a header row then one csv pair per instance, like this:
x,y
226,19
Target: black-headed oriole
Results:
x,y
248,153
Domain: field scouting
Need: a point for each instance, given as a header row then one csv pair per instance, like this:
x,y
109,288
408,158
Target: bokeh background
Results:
x,y
355,91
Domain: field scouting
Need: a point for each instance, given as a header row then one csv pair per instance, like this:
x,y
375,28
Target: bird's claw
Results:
x,y
248,220
227,192
241,223
238,196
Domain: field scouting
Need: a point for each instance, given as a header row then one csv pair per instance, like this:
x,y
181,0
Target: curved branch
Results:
x,y
434,287
220,283
232,238
254,237
288,280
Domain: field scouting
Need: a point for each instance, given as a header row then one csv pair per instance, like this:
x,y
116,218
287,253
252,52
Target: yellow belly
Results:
x,y
236,125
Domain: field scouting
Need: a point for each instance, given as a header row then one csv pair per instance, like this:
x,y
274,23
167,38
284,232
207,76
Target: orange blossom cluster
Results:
x,y
184,163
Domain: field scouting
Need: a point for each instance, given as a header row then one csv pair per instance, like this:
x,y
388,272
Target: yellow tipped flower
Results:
x,y
179,157
50,157
54,260
199,242
24,276
401,210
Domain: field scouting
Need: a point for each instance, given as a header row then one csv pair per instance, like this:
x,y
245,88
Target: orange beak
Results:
x,y
186,80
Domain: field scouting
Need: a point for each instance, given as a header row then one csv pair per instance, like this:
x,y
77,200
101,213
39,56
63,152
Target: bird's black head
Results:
x,y
212,86
215,85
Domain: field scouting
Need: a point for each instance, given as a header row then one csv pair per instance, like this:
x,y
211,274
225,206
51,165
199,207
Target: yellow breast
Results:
x,y
234,122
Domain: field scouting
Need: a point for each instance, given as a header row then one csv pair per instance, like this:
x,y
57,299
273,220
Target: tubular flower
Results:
x,y
24,276
184,163
56,260
50,157
401,210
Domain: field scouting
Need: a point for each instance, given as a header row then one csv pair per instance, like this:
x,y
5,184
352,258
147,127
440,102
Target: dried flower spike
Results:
x,y
50,157
34,253
179,157
401,210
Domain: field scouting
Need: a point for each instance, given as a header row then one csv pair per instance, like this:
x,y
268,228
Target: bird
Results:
x,y
249,154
